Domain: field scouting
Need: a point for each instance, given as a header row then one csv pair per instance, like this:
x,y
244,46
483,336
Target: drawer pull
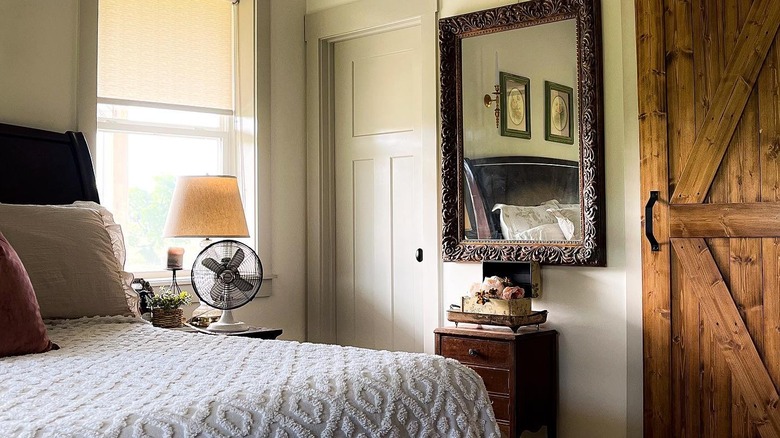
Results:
x,y
473,352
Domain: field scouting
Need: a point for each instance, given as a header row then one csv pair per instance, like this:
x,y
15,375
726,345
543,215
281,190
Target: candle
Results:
x,y
175,258
497,79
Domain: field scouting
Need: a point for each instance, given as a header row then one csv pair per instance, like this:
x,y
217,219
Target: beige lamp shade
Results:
x,y
206,206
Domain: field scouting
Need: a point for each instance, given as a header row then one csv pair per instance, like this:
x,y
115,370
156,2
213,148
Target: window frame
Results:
x,y
226,133
231,160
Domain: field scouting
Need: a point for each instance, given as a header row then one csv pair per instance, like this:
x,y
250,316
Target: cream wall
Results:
x,y
318,5
39,63
287,306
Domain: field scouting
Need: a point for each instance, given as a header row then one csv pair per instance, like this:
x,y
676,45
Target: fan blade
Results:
x,y
238,257
242,284
216,292
213,265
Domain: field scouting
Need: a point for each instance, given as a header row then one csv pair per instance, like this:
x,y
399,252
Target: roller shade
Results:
x,y
166,51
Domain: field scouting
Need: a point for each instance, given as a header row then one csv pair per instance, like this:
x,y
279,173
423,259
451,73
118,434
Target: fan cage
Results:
x,y
221,295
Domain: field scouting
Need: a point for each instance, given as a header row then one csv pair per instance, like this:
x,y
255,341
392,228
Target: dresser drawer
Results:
x,y
477,351
500,407
496,381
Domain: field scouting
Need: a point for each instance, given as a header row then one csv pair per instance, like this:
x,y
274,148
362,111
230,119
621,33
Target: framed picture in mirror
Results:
x,y
558,118
515,105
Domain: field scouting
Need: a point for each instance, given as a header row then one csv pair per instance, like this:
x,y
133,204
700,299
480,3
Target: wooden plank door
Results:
x,y
709,107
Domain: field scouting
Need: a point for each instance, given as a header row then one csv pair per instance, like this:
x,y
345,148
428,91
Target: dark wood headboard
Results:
x,y
516,180
43,167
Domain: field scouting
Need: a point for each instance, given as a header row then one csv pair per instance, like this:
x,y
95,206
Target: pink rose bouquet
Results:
x,y
495,287
513,292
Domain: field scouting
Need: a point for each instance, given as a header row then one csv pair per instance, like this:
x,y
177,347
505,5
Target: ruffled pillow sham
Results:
x,y
548,221
70,259
516,219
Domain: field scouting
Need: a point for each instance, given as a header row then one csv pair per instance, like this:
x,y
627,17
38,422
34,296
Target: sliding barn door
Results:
x,y
709,105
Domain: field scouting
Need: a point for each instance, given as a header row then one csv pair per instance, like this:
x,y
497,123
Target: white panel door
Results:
x,y
378,112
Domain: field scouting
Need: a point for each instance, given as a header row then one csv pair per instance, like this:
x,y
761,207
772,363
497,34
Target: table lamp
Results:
x,y
206,206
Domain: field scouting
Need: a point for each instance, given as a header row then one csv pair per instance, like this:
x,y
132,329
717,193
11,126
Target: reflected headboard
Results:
x,y
516,181
43,167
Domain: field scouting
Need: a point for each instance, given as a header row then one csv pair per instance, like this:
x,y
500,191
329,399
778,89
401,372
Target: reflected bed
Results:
x,y
518,181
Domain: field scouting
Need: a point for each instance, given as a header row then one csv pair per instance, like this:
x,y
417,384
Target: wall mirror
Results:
x,y
522,134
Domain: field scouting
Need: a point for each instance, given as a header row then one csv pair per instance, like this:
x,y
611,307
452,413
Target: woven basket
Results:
x,y
168,318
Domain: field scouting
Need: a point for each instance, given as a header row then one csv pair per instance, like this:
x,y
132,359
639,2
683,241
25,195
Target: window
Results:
x,y
165,108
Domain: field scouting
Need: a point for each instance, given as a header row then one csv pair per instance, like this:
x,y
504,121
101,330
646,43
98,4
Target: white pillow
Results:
x,y
544,232
70,258
516,219
118,246
569,220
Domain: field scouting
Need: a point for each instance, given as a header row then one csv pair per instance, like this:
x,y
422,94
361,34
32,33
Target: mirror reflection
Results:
x,y
521,174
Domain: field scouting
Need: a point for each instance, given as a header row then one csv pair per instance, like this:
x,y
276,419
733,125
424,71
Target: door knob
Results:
x,y
419,254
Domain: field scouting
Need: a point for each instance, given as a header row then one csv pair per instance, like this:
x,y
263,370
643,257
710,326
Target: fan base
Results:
x,y
227,327
226,323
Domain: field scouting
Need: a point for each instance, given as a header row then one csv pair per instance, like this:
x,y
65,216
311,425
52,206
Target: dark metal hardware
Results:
x,y
649,221
419,255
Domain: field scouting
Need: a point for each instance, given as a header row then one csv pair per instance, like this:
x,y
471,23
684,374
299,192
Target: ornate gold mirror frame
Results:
x,y
591,249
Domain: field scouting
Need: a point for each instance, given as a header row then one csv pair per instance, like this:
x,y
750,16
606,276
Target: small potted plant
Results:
x,y
166,307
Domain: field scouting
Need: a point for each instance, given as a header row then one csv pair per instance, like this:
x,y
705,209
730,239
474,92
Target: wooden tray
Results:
x,y
513,322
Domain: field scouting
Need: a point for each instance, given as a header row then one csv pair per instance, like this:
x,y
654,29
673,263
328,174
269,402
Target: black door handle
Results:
x,y
419,254
654,246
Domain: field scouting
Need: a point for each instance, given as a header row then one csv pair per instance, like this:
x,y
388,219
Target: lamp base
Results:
x,y
226,323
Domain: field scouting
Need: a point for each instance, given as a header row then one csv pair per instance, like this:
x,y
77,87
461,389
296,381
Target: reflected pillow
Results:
x,y
544,232
23,329
515,219
569,220
69,256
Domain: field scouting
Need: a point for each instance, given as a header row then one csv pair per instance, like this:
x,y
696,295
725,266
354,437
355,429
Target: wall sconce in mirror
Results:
x,y
489,101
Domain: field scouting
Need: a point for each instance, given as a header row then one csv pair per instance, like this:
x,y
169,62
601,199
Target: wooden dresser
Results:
x,y
520,371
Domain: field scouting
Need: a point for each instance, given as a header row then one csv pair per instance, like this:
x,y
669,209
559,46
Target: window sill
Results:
x,y
163,278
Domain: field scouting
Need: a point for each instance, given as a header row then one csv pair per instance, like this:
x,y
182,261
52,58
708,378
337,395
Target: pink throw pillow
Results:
x,y
23,329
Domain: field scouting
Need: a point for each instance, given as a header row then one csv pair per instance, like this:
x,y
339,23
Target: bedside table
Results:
x,y
253,332
520,371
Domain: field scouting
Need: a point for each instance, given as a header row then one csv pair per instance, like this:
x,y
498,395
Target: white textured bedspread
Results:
x,y
121,377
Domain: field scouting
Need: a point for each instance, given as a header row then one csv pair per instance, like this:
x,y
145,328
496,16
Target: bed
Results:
x,y
117,376
502,194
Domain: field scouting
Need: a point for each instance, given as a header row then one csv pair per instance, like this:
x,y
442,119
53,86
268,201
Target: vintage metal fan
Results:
x,y
226,275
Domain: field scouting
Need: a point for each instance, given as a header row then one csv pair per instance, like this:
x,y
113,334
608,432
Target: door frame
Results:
x,y
323,29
